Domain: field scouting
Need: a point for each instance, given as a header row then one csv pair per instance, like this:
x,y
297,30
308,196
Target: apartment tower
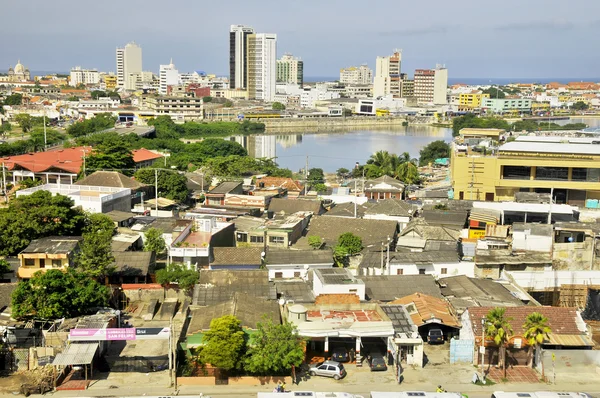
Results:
x,y
290,69
261,65
237,55
387,76
168,76
431,85
129,61
356,75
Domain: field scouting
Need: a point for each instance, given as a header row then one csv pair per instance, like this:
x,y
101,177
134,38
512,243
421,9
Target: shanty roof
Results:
x,y
506,256
6,290
237,256
372,232
424,309
456,219
53,245
477,292
418,227
120,216
216,286
133,263
347,210
391,287
282,256
76,354
225,187
68,159
290,206
110,179
299,291
391,207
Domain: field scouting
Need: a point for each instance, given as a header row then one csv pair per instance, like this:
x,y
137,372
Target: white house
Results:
x,y
440,264
296,264
337,281
532,237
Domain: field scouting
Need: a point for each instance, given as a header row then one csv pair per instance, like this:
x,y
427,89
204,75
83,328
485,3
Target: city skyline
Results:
x,y
470,42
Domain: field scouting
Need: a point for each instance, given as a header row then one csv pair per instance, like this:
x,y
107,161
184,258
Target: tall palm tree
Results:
x,y
408,173
536,331
497,327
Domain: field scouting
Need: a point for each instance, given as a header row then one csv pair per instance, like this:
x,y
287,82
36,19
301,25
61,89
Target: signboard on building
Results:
x,y
476,233
114,334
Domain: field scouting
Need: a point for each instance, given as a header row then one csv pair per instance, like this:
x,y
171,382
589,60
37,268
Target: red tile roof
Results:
x,y
337,299
282,182
69,160
142,155
561,320
427,308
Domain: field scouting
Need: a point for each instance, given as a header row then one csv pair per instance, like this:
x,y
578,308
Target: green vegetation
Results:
x,y
274,349
34,143
179,274
316,175
56,294
532,125
495,92
470,120
4,267
111,154
432,151
14,99
315,241
95,257
111,94
101,121
35,216
171,184
320,187
278,106
401,167
224,343
580,106
207,99
73,98
24,121
154,241
342,172
166,128
536,331
348,245
497,328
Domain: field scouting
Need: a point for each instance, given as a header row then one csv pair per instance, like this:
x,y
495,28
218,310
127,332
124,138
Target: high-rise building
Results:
x,y
168,76
261,64
290,69
83,76
387,75
237,55
356,75
431,85
129,61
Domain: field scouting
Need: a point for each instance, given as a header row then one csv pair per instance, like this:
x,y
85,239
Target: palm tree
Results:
x,y
408,173
536,331
497,327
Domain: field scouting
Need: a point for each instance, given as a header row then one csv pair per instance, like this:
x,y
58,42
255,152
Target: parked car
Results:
x,y
340,354
435,336
377,362
328,369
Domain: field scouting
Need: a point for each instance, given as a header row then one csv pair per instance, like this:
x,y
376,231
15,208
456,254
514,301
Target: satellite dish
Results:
x,y
281,301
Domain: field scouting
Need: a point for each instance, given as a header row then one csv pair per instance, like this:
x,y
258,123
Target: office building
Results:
x,y
407,86
129,61
261,64
470,101
290,69
83,76
238,35
506,105
431,86
168,76
387,75
565,167
356,75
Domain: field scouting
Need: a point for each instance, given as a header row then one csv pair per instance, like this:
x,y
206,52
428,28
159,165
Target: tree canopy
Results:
x,y
171,184
179,274
35,216
111,154
95,257
274,349
432,151
316,175
580,106
14,99
497,327
224,343
24,121
101,121
278,106
56,294
494,92
536,331
471,120
154,241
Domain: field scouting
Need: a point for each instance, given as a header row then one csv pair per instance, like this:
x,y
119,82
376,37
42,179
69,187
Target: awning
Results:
x,y
572,340
76,354
484,216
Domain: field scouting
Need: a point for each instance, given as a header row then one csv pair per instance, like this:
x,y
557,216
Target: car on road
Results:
x,y
340,354
435,336
328,369
377,362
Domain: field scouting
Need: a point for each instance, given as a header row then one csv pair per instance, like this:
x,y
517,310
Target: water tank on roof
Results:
x,y
297,314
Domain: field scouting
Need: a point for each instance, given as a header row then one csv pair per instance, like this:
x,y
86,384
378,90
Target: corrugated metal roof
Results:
x,y
76,354
569,340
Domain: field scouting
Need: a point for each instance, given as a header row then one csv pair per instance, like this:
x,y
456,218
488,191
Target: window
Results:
x,y
421,271
297,274
353,290
552,173
278,275
257,239
56,263
242,237
399,271
444,271
381,195
29,262
279,240
516,172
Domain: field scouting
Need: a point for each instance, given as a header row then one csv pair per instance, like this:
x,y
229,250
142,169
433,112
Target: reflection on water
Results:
x,y
331,151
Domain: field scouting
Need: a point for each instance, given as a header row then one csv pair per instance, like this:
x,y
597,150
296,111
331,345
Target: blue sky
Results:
x,y
508,38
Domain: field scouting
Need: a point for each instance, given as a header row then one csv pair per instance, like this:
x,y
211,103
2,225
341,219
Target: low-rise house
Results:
x,y
132,267
491,263
455,220
54,252
283,206
440,264
568,331
374,233
386,288
296,264
349,210
418,235
217,286
145,158
384,187
242,200
121,218
292,187
532,237
391,209
408,344
337,281
216,196
114,179
293,290
576,246
279,232
236,258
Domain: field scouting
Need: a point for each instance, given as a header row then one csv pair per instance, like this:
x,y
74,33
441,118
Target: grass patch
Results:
x,y
488,382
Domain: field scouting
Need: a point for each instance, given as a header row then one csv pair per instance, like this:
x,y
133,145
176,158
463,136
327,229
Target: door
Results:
x,y
489,196
42,263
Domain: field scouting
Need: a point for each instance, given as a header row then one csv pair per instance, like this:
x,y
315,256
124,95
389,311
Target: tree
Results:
x,y
536,331
278,106
179,274
171,184
320,187
408,173
315,241
4,266
351,242
494,92
35,216
432,151
56,294
154,241
14,99
580,106
111,154
207,99
25,122
73,98
95,257
227,104
342,172
472,121
224,343
316,175
274,349
347,112
497,327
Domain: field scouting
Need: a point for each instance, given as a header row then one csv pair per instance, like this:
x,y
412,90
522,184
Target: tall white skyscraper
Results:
x,y
261,65
129,61
237,55
168,76
356,75
431,85
387,75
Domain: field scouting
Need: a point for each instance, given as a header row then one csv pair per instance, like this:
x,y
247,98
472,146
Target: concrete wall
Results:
x,y
235,381
574,256
523,242
328,123
569,361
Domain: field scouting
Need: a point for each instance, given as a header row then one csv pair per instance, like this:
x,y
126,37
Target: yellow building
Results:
x,y
110,82
540,106
471,100
567,167
55,252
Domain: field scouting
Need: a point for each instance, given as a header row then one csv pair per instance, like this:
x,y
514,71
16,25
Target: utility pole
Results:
x,y
550,207
355,198
482,349
45,140
171,351
83,150
4,183
388,254
156,190
472,176
381,258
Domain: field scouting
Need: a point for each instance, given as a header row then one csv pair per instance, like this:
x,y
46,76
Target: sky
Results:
x,y
475,39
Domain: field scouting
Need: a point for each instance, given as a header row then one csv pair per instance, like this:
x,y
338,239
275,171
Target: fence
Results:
x,y
461,351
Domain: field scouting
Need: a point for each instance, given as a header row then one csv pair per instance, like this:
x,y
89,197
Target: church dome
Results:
x,y
19,68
